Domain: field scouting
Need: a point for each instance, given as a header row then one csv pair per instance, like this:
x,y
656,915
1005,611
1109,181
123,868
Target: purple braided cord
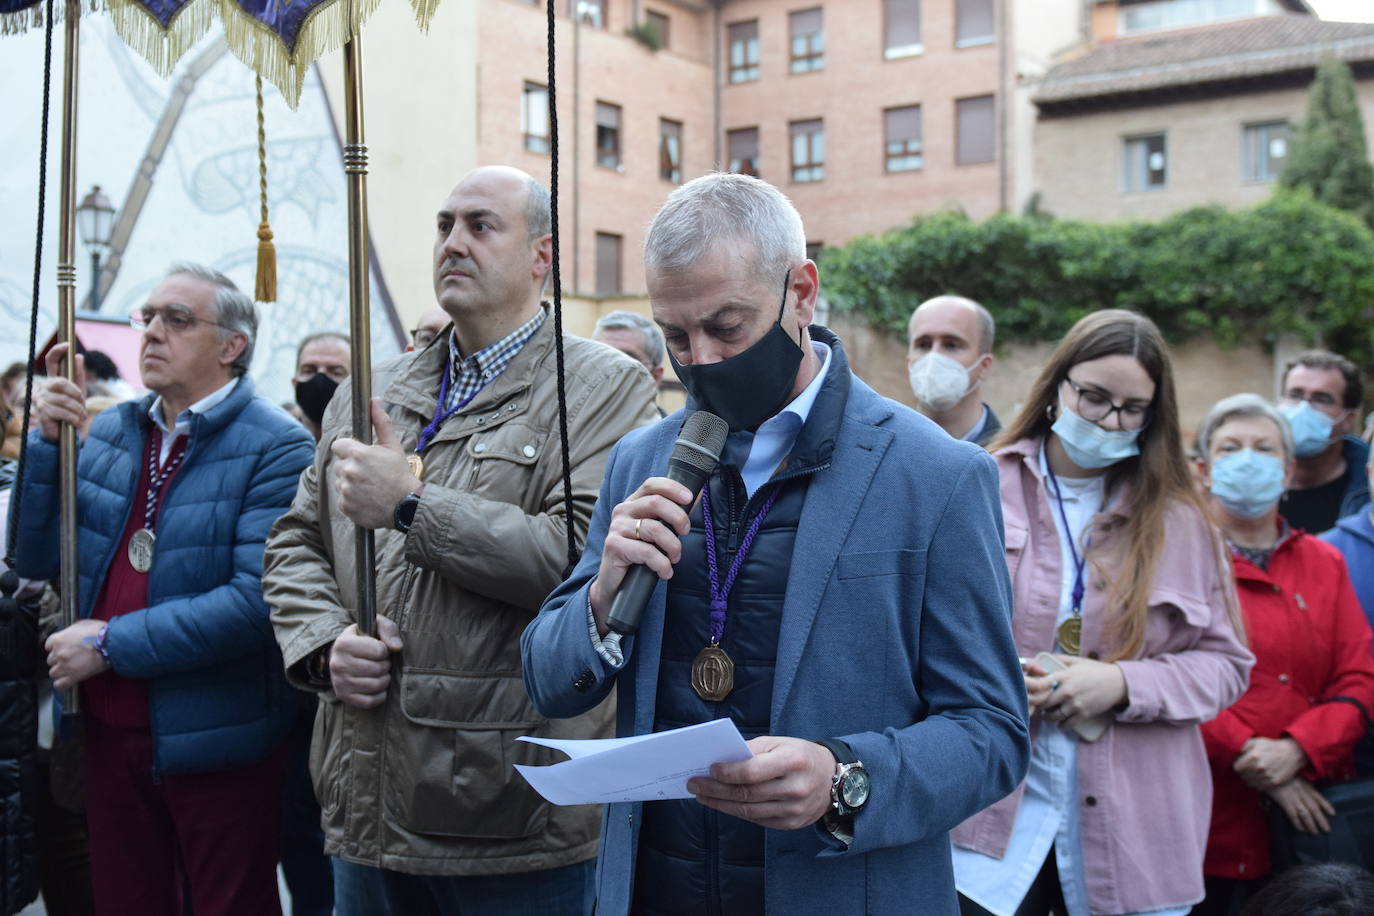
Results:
x,y
718,594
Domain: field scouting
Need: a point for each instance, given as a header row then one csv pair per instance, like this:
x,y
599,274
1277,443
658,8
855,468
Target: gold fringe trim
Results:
x,y
324,30
32,18
424,12
162,48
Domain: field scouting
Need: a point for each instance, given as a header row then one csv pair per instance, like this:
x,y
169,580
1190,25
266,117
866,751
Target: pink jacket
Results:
x,y
1145,789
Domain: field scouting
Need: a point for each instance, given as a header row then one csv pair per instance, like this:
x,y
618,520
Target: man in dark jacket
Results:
x,y
948,357
1321,397
183,700
839,591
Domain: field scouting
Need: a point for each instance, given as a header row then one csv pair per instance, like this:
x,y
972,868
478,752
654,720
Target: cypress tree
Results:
x,y
1328,155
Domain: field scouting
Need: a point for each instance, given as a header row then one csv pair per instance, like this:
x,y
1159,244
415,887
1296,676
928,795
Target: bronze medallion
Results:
x,y
417,466
713,674
1070,635
141,550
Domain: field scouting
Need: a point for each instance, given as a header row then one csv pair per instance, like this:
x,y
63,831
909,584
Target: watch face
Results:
x,y
854,788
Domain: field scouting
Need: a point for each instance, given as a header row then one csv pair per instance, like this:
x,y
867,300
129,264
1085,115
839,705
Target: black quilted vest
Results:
x,y
691,859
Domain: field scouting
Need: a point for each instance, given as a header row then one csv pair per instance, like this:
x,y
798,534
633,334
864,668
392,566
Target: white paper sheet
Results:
x,y
642,768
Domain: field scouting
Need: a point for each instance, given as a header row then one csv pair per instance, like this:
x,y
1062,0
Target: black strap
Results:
x,y
17,495
573,552
842,751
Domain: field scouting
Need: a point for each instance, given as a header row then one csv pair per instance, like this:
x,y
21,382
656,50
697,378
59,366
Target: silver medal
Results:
x,y
141,550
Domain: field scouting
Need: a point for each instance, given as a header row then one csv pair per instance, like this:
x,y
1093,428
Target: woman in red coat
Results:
x,y
1311,643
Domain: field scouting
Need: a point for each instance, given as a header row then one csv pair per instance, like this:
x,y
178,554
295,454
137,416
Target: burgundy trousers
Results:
x,y
209,841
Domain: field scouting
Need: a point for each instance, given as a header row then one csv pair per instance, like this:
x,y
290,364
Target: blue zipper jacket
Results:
x,y
217,695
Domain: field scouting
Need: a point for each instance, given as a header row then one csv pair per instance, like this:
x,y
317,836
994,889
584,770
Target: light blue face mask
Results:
x,y
1247,483
1311,428
1091,446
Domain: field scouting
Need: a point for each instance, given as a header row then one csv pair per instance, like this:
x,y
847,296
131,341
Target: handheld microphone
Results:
x,y
694,457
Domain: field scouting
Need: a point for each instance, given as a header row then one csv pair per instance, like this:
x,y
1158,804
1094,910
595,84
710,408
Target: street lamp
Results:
x,y
95,220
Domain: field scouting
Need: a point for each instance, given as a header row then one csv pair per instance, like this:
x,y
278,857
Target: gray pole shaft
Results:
x,y
66,330
355,168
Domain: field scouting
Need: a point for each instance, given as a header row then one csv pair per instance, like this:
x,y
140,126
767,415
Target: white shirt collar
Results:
x,y
183,421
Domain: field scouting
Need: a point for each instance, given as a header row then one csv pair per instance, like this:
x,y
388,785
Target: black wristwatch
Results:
x,y
404,515
849,787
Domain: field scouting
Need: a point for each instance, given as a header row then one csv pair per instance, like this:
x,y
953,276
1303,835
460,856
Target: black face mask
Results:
x,y
313,395
750,386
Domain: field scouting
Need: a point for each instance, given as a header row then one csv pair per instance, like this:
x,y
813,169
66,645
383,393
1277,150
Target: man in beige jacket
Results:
x,y
415,738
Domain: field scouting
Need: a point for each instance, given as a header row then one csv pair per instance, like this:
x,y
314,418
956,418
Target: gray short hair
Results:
x,y
622,320
722,207
234,310
1241,405
538,211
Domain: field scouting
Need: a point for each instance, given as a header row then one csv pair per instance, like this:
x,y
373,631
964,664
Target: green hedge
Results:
x,y
1290,264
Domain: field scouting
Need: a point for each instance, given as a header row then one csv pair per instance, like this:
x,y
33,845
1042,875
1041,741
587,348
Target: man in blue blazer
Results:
x,y
183,698
850,610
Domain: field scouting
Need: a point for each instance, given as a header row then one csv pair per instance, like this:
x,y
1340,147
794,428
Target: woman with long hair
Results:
x,y
1313,681
1125,612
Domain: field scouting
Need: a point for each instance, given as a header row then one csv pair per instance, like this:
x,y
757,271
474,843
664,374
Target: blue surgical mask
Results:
x,y
1311,428
1247,483
1091,446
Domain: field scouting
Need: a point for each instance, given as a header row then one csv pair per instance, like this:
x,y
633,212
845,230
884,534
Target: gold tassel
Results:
x,y
265,290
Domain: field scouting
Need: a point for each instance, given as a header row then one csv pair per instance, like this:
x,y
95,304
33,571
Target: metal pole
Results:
x,y
95,280
355,168
66,330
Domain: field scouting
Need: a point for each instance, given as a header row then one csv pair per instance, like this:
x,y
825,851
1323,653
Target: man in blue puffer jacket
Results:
x,y
183,698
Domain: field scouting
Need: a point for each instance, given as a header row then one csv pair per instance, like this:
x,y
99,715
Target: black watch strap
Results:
x,y
404,515
842,751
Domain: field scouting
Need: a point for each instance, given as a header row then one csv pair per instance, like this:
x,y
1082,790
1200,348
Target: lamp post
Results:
x,y
95,219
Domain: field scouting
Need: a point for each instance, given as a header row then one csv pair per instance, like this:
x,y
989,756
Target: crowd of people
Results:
x,y
1088,662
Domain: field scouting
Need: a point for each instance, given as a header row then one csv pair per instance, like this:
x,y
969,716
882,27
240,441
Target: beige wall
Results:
x,y
1042,30
1203,372
420,120
1079,157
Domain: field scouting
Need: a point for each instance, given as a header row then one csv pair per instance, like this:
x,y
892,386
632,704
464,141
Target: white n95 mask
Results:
x,y
938,381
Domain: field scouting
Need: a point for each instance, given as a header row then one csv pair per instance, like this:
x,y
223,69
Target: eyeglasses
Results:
x,y
175,318
1095,406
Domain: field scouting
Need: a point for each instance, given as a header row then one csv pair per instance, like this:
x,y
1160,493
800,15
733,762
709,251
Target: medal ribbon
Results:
x,y
720,593
156,478
1078,562
440,414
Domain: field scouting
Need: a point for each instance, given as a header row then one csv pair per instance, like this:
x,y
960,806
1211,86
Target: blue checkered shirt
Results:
x,y
468,376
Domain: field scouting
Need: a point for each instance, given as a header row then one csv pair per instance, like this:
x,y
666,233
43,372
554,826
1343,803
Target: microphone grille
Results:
x,y
702,440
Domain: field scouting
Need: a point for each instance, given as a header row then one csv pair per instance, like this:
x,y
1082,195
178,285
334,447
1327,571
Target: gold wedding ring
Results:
x,y
638,522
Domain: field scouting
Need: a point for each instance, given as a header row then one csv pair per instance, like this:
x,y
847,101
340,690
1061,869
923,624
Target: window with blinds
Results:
x,y
534,117
808,40
901,28
743,145
975,23
608,135
975,130
808,150
744,51
902,138
608,264
670,150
